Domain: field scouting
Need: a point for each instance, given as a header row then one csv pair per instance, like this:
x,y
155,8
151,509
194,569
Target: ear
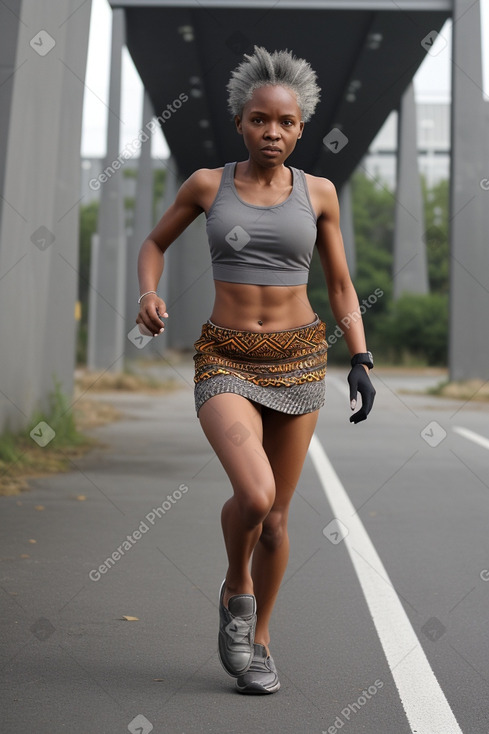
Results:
x,y
238,123
301,130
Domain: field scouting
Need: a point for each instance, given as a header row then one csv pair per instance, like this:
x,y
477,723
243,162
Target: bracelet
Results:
x,y
146,294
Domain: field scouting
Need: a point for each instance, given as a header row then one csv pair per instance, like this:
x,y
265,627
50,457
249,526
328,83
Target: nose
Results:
x,y
272,131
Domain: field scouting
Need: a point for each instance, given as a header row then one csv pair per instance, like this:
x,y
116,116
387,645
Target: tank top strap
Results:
x,y
228,175
301,189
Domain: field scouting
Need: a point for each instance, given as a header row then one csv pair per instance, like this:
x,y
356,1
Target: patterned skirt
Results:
x,y
282,370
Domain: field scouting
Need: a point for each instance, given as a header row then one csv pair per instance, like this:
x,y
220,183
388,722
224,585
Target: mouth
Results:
x,y
271,149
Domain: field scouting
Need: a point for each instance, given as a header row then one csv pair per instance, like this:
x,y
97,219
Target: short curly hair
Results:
x,y
280,68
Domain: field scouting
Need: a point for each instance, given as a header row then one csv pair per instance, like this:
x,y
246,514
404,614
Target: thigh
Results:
x,y
286,440
233,427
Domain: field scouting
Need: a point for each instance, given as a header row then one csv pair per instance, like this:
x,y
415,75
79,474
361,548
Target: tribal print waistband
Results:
x,y
270,359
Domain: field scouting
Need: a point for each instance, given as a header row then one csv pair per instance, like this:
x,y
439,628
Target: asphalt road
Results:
x,y
381,625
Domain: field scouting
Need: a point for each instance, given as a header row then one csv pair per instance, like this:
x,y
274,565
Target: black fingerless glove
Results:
x,y
359,382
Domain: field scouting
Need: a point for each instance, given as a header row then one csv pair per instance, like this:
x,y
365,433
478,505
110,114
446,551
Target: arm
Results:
x,y
342,295
341,292
175,220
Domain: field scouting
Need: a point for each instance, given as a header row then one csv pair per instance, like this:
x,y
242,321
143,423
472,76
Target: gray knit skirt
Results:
x,y
282,370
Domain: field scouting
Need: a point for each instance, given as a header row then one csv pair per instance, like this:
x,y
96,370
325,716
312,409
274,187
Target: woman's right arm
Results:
x,y
186,207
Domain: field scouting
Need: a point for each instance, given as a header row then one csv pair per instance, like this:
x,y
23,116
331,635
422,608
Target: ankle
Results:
x,y
260,641
233,589
262,636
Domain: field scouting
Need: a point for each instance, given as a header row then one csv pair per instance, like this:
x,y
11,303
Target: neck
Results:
x,y
274,175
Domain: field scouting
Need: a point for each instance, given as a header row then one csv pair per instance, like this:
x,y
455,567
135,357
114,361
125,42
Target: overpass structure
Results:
x,y
365,53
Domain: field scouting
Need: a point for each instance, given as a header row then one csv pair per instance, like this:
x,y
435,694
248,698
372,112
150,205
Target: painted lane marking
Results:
x,y
472,436
425,705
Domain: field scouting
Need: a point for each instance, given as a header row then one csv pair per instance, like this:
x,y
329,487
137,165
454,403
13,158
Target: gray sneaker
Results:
x,y
236,632
261,676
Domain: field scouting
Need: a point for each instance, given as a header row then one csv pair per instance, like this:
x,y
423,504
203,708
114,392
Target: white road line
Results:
x,y
475,437
424,702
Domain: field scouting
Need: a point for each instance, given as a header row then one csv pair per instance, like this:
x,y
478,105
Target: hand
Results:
x,y
359,381
152,311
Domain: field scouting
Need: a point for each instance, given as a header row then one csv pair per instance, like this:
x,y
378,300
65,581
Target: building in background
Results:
x,y
433,135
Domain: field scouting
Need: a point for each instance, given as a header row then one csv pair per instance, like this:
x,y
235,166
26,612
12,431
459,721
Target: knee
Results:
x,y
255,506
274,530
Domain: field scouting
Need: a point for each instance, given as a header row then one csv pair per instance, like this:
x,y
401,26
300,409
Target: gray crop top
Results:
x,y
262,245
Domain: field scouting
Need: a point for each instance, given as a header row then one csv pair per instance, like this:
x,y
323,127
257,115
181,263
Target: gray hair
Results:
x,y
280,68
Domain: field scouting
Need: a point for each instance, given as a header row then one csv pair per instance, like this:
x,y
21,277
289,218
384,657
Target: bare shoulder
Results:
x,y
202,186
321,186
203,177
323,194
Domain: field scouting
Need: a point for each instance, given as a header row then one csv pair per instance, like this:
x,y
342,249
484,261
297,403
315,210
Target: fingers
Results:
x,y
151,316
353,394
359,416
368,400
353,382
359,382
367,403
144,330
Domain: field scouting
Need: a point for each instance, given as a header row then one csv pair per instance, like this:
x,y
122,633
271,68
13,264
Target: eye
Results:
x,y
257,119
288,123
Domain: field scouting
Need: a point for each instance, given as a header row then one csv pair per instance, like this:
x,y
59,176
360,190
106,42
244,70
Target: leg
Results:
x,y
233,426
286,439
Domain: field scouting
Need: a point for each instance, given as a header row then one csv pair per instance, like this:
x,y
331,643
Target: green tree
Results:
x,y
416,327
373,216
88,226
437,235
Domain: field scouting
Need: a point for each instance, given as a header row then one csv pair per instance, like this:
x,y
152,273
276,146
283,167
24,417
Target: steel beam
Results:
x,y
107,319
410,269
40,212
142,223
368,5
469,266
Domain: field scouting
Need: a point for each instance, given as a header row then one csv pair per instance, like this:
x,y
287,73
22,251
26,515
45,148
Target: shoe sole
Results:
x,y
257,691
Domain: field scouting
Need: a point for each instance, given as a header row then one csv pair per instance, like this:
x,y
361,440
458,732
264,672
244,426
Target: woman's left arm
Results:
x,y
341,291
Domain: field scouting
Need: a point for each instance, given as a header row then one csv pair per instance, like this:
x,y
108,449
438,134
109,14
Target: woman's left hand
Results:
x,y
359,382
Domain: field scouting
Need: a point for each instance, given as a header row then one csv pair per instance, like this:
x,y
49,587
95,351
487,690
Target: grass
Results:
x,y
462,390
22,458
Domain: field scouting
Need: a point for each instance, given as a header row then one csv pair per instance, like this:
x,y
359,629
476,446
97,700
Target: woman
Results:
x,y
261,357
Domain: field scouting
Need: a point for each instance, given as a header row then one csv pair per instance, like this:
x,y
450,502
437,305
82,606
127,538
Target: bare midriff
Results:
x,y
261,307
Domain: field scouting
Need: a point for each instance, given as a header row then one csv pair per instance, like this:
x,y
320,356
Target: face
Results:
x,y
270,124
